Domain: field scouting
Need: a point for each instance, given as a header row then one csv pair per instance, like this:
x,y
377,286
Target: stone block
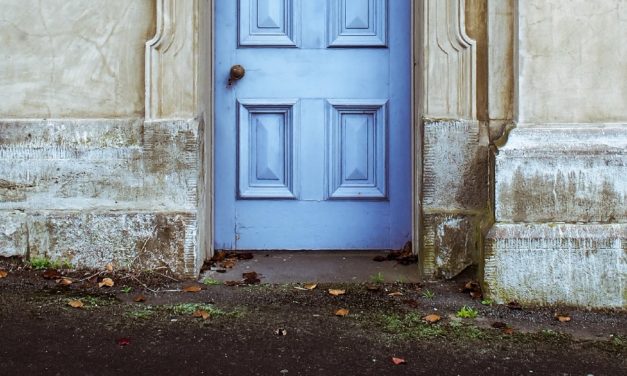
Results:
x,y
581,265
100,163
563,174
13,234
131,240
455,166
450,244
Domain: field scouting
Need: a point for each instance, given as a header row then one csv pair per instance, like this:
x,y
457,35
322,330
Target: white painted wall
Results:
x,y
572,61
68,59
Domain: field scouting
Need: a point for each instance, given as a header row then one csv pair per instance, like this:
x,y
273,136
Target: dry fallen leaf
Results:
x,y
336,292
398,361
3,274
232,283
64,281
341,312
76,304
562,318
139,299
51,274
109,267
201,313
508,331
395,293
106,282
192,288
514,305
372,287
310,286
432,319
499,325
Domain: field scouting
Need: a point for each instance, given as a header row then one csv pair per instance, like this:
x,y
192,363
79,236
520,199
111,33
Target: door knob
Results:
x,y
237,72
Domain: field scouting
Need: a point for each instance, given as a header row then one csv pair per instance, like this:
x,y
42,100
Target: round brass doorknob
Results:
x,y
237,73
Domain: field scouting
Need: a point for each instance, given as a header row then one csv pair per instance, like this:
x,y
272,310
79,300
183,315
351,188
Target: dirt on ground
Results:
x,y
56,321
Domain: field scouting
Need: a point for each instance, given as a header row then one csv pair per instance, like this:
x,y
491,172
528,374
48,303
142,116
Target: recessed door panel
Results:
x,y
266,149
357,23
313,142
357,150
268,23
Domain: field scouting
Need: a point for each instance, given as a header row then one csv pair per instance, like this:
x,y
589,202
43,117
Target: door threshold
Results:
x,y
318,266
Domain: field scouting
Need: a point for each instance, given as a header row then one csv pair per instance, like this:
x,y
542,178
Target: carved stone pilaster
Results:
x,y
172,61
449,61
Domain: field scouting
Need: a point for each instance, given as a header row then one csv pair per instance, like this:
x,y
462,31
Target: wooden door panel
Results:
x,y
266,148
268,23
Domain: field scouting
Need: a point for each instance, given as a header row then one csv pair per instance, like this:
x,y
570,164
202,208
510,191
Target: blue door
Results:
x,y
313,143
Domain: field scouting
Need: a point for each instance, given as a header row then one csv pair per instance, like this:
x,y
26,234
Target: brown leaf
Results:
x,y
200,313
341,312
508,331
476,294
139,299
228,263
245,256
398,361
379,258
232,283
192,288
373,287
51,274
514,305
3,273
251,278
432,318
108,282
64,281
471,286
310,286
337,292
562,317
499,325
395,293
109,267
76,304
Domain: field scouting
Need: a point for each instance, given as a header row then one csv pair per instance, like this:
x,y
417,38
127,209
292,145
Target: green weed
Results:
x,y
467,313
410,325
487,302
211,282
377,278
39,263
428,294
126,289
141,314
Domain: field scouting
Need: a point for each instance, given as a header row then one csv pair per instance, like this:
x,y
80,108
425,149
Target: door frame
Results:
x,y
416,157
179,84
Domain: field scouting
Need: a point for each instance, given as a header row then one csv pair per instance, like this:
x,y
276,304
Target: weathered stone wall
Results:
x,y
571,63
560,177
561,213
95,191
73,59
454,196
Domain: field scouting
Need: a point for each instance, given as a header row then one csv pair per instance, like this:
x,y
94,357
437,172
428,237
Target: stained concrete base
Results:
x,y
318,266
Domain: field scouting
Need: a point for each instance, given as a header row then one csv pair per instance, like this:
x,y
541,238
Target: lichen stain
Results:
x,y
548,196
166,244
